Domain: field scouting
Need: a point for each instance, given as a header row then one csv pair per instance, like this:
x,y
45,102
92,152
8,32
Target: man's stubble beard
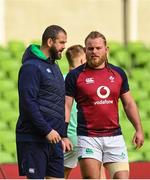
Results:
x,y
54,53
95,64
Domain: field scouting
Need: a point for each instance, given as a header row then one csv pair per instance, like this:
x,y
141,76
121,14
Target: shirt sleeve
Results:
x,y
70,84
125,84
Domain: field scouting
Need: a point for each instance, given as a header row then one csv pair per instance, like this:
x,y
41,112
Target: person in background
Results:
x,y
97,87
41,121
75,55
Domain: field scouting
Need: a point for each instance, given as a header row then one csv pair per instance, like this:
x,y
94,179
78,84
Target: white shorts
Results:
x,y
104,149
71,158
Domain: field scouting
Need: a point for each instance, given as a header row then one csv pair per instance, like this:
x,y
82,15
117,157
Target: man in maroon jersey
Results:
x,y
97,86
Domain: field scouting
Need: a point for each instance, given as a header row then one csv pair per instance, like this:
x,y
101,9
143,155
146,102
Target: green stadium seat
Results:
x,y
7,136
14,76
5,108
146,127
145,149
16,48
135,155
137,75
2,74
113,61
10,67
134,86
139,95
3,126
11,119
10,148
114,47
11,96
146,85
6,157
6,85
142,58
147,156
143,114
144,106
123,59
4,55
135,46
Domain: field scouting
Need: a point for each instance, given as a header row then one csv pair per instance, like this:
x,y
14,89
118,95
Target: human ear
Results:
x,y
49,42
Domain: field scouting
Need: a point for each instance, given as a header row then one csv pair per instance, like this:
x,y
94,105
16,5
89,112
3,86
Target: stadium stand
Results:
x,y
134,59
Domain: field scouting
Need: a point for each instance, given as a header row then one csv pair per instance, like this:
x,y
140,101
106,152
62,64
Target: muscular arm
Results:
x,y
132,113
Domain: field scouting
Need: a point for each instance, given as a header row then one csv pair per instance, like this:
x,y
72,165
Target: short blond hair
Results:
x,y
72,52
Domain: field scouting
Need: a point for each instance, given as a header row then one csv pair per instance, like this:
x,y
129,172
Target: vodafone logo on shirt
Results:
x,y
103,92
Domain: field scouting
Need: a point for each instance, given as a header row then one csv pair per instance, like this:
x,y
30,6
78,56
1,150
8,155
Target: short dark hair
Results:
x,y
95,34
51,32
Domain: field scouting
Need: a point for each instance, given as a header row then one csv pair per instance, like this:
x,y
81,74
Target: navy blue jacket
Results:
x,y
41,97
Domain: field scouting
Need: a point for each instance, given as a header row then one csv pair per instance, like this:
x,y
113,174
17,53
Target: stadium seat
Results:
x,y
145,149
146,85
16,48
6,157
7,136
5,110
2,74
4,55
142,58
11,96
136,74
135,155
6,85
135,46
3,126
144,106
123,59
10,148
11,68
5,106
146,127
114,47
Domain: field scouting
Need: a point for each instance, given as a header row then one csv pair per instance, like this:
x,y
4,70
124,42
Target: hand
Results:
x,y
68,144
138,139
53,136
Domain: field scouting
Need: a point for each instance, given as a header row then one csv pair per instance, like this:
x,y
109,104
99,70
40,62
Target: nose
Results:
x,y
94,50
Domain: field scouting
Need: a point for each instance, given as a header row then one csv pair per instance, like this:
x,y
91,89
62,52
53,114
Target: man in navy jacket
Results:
x,y
41,121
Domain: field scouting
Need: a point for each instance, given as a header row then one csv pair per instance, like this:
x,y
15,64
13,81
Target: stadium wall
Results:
x,y
26,19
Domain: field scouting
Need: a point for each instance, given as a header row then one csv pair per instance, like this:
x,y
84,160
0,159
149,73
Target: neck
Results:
x,y
97,67
44,49
71,68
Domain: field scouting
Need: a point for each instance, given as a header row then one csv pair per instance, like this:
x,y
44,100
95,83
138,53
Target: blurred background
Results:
x,y
126,25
